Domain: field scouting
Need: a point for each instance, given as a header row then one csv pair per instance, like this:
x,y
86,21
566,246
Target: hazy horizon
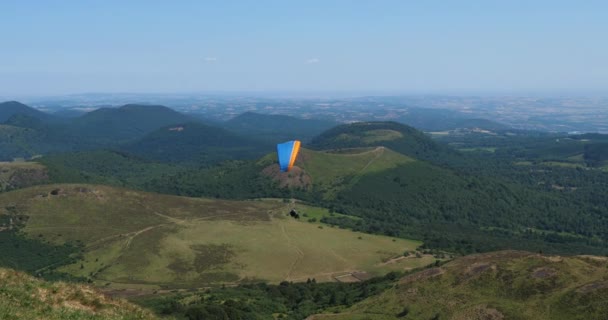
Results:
x,y
345,48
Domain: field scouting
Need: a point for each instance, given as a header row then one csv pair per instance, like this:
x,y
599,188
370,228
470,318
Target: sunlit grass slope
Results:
x,y
500,285
24,297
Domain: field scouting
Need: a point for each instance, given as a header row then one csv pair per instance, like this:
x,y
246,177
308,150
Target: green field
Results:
x,y
143,240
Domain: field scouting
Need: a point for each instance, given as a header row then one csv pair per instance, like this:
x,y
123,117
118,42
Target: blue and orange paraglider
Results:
x,y
287,151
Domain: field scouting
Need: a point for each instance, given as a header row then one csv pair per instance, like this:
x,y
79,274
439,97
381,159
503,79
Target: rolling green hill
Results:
x,y
395,136
328,172
195,143
119,238
501,285
146,130
26,132
276,128
10,108
132,121
25,297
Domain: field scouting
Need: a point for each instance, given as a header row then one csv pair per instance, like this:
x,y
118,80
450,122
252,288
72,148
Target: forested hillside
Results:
x,y
112,125
196,144
9,109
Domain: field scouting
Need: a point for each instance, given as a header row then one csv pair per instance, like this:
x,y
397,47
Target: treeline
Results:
x,y
265,301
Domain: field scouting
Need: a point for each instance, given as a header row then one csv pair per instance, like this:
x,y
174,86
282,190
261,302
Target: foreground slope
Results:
x,y
499,285
135,239
25,297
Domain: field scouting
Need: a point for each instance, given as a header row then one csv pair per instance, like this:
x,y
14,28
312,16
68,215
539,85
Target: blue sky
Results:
x,y
506,47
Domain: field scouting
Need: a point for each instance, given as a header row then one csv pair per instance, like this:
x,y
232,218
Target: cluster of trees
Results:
x,y
31,255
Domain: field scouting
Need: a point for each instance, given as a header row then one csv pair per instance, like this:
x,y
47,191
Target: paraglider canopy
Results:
x,y
287,151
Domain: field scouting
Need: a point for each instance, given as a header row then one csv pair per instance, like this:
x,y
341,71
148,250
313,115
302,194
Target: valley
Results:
x,y
189,217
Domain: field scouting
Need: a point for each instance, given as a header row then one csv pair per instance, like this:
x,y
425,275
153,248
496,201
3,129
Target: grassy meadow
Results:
x,y
142,240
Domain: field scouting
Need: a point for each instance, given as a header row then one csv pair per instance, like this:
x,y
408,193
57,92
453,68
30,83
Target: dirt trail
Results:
x,y
172,219
215,216
335,254
136,233
120,235
393,260
360,153
328,274
297,249
379,152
